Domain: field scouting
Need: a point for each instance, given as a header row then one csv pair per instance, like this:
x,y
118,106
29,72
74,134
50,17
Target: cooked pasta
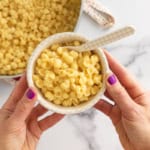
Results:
x,y
25,23
66,77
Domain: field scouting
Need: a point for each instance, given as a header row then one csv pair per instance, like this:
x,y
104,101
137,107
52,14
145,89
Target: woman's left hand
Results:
x,y
19,125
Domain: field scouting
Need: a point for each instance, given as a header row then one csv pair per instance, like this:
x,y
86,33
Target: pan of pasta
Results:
x,y
25,23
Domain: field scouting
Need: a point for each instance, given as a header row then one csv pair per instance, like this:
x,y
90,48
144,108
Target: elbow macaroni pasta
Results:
x,y
24,23
66,77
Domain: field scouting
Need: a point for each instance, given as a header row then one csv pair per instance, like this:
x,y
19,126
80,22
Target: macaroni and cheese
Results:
x,y
66,77
24,23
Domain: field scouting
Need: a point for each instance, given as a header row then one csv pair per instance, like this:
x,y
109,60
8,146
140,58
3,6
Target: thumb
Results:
x,y
25,105
119,94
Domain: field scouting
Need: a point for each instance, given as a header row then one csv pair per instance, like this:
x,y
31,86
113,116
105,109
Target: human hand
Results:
x,y
131,112
20,128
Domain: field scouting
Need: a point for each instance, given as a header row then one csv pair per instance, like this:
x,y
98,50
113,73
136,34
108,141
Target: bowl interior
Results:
x,y
59,38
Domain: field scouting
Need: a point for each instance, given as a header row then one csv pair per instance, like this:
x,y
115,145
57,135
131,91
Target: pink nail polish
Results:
x,y
30,94
112,80
17,79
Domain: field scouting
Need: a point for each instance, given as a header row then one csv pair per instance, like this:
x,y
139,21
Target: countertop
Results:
x,y
92,130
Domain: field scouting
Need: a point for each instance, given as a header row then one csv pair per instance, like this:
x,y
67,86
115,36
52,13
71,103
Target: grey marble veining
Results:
x,y
85,128
133,51
136,57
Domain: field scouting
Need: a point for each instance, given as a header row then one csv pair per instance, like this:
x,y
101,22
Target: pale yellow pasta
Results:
x,y
44,56
1,55
41,72
82,81
90,82
94,90
49,96
74,54
75,101
64,66
72,73
57,102
84,98
74,66
35,77
48,84
97,79
7,68
66,77
57,90
14,65
58,63
98,66
65,95
39,83
68,59
25,23
65,86
72,80
94,59
49,75
55,46
22,64
60,50
44,65
67,103
87,93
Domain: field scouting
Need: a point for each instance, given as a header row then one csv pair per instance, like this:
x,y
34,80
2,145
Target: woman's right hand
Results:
x,y
131,112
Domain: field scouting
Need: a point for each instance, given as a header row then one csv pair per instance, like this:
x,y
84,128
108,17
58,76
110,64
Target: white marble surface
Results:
x,y
92,130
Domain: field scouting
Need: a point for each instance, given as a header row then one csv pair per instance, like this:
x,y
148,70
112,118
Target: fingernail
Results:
x,y
17,79
30,94
112,80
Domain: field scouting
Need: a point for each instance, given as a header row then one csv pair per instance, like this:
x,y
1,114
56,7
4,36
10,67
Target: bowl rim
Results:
x,y
50,106
75,30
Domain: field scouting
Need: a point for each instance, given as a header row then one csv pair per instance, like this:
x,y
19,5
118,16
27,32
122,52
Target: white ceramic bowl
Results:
x,y
75,30
59,38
